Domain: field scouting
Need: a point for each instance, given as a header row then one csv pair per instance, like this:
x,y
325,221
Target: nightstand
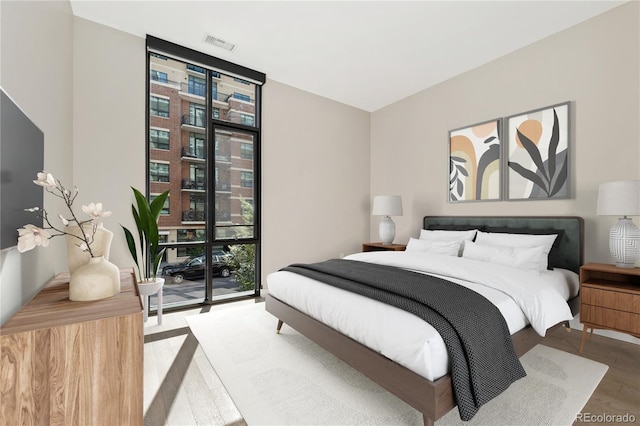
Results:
x,y
383,247
609,299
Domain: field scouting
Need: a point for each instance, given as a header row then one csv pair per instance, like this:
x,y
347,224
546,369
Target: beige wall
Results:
x,y
595,65
109,123
36,71
315,177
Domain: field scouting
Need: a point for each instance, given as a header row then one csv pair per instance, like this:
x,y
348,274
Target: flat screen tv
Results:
x,y
21,158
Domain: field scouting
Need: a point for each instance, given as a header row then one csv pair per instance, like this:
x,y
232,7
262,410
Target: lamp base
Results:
x,y
624,243
387,230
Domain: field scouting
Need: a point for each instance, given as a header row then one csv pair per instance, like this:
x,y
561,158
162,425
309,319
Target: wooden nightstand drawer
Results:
x,y
610,299
610,318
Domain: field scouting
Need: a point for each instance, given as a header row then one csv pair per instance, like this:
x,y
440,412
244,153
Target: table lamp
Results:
x,y
387,205
622,198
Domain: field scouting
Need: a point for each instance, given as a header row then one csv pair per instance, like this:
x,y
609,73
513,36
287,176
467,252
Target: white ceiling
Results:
x,y
367,54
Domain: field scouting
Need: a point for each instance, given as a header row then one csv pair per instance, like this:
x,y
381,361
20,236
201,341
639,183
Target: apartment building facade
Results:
x,y
179,153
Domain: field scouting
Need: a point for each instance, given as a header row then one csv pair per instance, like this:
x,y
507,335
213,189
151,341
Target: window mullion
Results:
x,y
210,224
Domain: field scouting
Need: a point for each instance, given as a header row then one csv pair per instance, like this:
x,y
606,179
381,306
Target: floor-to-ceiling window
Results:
x,y
203,131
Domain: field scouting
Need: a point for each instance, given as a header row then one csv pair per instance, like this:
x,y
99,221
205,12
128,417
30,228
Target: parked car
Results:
x,y
193,268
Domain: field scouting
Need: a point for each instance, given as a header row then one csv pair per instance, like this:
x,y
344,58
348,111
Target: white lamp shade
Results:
x,y
620,198
387,205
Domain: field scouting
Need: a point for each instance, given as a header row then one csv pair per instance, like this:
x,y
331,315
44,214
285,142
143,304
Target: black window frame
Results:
x,y
214,67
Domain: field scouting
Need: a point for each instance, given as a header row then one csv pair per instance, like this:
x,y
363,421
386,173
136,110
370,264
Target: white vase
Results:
x,y
101,245
96,279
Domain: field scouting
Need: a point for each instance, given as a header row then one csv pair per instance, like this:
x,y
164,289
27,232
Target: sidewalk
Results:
x,y
193,290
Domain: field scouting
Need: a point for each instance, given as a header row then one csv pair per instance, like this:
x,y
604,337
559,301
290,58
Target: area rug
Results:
x,y
285,379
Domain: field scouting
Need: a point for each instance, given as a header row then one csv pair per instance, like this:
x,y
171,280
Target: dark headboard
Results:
x,y
568,254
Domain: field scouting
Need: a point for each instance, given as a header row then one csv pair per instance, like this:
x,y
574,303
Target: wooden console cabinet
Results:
x,y
609,299
80,363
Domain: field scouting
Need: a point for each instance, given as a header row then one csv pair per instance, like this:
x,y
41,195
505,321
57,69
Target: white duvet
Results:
x,y
522,297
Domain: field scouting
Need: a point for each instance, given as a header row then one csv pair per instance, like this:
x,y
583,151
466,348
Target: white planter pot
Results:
x,y
146,289
150,287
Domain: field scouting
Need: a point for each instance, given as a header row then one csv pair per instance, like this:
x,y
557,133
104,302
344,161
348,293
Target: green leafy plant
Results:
x,y
146,216
242,259
548,177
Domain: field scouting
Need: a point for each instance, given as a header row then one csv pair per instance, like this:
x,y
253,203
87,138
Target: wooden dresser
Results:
x,y
79,363
609,299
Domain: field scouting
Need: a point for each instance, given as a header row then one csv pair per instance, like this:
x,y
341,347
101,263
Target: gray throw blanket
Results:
x,y
483,360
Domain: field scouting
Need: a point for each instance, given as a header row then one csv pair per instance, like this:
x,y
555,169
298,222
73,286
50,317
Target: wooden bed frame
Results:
x,y
434,398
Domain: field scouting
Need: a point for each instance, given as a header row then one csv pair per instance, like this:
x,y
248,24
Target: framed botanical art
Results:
x,y
474,162
538,154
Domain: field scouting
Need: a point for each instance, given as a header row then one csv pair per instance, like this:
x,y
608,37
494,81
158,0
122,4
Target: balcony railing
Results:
x,y
155,79
219,96
199,90
188,119
192,216
200,186
239,97
193,185
198,216
186,152
193,89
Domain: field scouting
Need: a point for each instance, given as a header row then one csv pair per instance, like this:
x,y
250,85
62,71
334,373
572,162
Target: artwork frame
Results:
x,y
538,154
475,162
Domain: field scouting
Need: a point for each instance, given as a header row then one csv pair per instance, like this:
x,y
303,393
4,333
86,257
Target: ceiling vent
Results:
x,y
219,42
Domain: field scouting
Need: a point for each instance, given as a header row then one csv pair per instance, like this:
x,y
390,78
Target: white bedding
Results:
x,y
522,297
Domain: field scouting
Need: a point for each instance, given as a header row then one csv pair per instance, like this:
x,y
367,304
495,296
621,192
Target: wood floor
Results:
x,y
181,387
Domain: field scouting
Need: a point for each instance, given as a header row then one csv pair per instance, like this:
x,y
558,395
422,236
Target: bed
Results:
x,y
430,392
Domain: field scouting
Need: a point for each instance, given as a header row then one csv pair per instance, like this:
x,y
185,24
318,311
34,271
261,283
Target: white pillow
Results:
x,y
449,248
444,235
520,241
525,258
